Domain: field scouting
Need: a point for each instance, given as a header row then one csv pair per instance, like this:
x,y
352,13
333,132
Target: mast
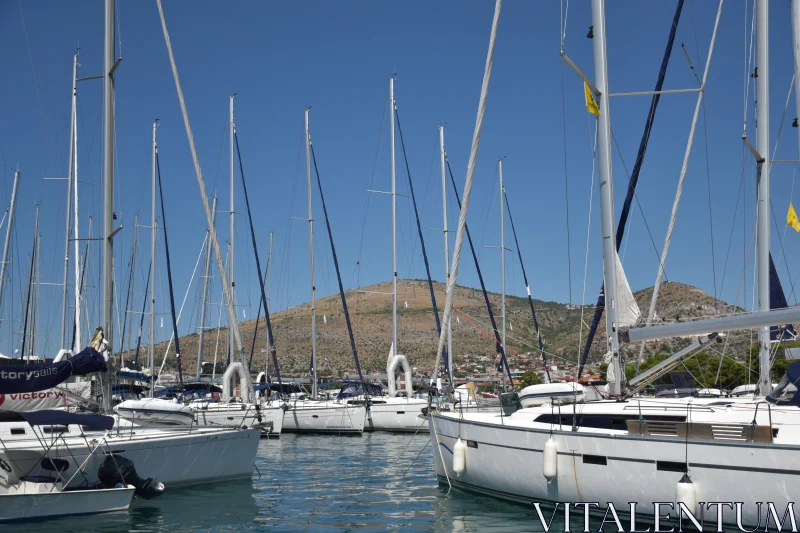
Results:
x,y
9,226
153,235
204,304
311,267
606,190
30,285
108,191
70,177
269,299
231,270
502,262
395,349
763,147
446,250
76,336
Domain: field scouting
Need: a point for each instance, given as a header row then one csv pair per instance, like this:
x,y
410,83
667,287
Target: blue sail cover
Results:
x,y
48,417
15,379
777,300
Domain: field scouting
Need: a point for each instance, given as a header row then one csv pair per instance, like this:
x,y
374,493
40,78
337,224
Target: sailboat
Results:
x,y
314,414
395,412
172,453
682,451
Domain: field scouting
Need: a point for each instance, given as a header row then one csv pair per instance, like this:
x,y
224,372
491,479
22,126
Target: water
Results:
x,y
316,483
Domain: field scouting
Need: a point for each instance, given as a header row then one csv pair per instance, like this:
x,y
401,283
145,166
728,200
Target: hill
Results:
x,y
370,310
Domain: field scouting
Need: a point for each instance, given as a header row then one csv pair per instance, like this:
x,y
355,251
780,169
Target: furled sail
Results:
x,y
627,309
20,378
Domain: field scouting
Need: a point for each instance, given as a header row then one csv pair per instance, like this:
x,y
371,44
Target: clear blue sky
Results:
x,y
337,57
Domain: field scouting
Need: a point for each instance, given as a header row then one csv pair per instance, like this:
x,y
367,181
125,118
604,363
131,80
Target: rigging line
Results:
x,y
338,274
588,235
36,86
566,173
141,320
498,342
527,287
735,215
564,13
372,180
422,242
783,253
169,275
180,311
258,318
270,337
748,60
638,203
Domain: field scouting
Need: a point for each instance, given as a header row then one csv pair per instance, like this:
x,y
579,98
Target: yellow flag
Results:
x,y
591,104
791,218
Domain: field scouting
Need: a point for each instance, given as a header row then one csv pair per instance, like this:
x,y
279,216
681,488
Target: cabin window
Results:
x,y
55,429
472,444
671,466
401,412
594,459
17,431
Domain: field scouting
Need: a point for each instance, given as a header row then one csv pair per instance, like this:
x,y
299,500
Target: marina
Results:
x,y
254,327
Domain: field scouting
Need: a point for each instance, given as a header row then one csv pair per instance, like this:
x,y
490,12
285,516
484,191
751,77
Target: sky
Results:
x,y
337,57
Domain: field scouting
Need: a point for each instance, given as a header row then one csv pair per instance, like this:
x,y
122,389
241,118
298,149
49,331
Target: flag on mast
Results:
x,y
791,218
591,103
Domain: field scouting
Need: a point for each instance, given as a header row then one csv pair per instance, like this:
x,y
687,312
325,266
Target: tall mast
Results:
x,y
446,248
204,305
36,286
108,190
269,299
763,147
269,272
311,271
30,287
502,263
76,258
395,349
231,270
11,209
153,235
606,188
70,177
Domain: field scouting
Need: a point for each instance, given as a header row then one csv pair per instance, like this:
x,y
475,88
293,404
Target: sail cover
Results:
x,y
777,300
627,308
19,378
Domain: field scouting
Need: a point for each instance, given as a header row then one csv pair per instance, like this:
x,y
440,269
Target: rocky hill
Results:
x,y
370,311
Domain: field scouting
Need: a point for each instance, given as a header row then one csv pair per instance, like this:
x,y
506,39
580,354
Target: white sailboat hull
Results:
x,y
155,411
396,414
37,505
269,419
324,417
506,461
173,455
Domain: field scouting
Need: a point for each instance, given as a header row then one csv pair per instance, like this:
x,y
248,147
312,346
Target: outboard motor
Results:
x,y
118,469
509,401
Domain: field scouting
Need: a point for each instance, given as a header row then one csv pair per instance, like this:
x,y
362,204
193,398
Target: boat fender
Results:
x,y
686,493
459,457
550,460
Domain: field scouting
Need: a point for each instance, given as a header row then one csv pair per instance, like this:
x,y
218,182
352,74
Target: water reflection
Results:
x,y
377,482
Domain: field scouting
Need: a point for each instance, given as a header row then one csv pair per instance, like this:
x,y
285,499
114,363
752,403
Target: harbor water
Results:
x,y
317,483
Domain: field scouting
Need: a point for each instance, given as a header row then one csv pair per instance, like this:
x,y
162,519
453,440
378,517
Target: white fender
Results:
x,y
550,460
395,361
686,494
459,457
238,369
261,378
62,355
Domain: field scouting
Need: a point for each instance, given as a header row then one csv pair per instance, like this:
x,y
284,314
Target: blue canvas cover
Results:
x,y
50,417
787,390
15,379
